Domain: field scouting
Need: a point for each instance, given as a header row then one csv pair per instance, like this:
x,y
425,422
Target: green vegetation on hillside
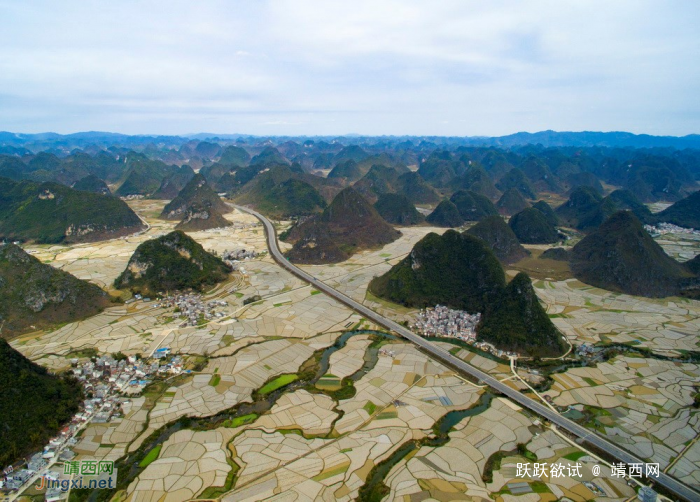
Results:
x,y
172,262
413,186
196,192
511,202
347,225
234,156
547,212
171,185
142,176
268,156
621,256
398,210
539,175
35,294
478,181
473,206
279,194
445,214
684,213
92,183
460,271
454,269
498,236
517,321
557,254
53,213
378,180
531,226
347,169
34,404
516,178
586,210
198,218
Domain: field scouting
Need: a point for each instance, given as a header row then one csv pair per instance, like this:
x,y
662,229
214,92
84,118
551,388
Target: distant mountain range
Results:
x,y
549,138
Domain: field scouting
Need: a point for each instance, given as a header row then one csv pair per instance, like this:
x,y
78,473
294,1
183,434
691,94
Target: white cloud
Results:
x,y
377,67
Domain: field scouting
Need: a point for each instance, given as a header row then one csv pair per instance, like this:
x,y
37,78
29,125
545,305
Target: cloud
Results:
x,y
377,67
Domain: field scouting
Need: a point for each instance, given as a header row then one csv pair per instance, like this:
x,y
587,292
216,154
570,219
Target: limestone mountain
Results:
x,y
34,404
440,168
378,180
281,193
169,263
37,296
452,269
547,212
349,224
621,256
214,172
539,175
530,226
693,265
515,178
583,209
173,184
268,156
347,170
418,191
234,156
398,210
51,213
445,214
584,179
196,192
475,179
473,206
586,210
198,218
511,202
684,213
92,183
499,237
382,159
518,322
291,197
624,199
207,150
351,152
143,176
557,254
460,271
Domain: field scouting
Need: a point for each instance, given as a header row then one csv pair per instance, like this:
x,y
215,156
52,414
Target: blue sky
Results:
x,y
371,67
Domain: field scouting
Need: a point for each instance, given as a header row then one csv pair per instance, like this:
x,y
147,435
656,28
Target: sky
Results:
x,y
375,67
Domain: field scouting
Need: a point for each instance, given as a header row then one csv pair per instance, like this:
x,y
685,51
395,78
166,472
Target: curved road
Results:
x,y
671,484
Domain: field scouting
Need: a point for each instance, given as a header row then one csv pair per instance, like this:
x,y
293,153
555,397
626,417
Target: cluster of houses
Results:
x,y
235,257
192,308
444,321
669,228
587,350
105,381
